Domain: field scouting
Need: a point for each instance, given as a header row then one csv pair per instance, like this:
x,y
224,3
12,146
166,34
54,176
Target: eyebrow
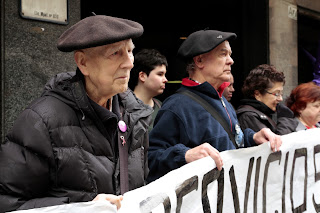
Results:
x,y
226,50
132,45
115,47
277,91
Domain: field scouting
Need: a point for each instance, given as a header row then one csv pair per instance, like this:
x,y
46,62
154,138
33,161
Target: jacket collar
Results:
x,y
205,87
134,106
70,88
258,105
301,126
103,113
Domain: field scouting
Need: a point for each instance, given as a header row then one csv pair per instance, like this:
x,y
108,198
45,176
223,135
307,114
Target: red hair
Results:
x,y
301,95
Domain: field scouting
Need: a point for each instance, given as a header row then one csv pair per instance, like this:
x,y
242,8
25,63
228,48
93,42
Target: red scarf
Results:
x,y
190,83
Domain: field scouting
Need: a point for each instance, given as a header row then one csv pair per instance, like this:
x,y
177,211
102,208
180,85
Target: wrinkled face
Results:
x,y
107,68
217,64
311,114
272,96
156,81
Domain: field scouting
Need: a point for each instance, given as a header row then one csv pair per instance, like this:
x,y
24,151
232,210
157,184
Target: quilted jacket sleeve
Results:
x,y
25,158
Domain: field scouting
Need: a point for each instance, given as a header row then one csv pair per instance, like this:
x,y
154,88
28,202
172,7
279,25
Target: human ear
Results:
x,y
142,76
257,95
198,60
80,58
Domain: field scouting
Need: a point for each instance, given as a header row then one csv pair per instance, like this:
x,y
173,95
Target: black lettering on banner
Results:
x,y
284,184
167,205
234,188
316,176
275,156
248,185
152,202
299,153
220,191
256,185
208,178
185,188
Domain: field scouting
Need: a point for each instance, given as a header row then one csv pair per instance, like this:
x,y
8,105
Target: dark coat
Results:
x,y
62,148
256,115
182,124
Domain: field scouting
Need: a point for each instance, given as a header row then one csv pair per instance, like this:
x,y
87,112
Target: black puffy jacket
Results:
x,y
63,148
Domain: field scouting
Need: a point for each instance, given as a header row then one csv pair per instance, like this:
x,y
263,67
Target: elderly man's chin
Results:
x,y
227,76
122,86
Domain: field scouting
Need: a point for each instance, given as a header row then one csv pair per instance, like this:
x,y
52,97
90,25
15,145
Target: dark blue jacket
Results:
x,y
182,124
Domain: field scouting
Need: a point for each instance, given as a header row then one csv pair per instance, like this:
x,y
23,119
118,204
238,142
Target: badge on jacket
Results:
x,y
239,136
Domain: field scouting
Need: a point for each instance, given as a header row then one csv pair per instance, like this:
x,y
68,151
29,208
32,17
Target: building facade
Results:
x,y
269,31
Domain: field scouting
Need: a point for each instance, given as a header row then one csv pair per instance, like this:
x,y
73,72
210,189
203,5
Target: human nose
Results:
x,y
165,80
230,60
127,61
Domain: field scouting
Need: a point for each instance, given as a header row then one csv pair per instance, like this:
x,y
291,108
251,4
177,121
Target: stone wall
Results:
x,y
283,40
30,58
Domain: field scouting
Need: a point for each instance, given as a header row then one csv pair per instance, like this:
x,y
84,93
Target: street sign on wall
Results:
x,y
45,10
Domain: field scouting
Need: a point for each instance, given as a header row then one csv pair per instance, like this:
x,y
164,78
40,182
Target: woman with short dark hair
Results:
x,y
304,101
263,90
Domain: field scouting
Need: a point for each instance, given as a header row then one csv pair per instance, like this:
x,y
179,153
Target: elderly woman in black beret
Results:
x,y
86,138
261,108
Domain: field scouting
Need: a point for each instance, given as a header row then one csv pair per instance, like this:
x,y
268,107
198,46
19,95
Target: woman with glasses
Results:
x,y
304,101
263,92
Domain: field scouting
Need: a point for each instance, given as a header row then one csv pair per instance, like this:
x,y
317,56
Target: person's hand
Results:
x,y
116,200
266,135
202,151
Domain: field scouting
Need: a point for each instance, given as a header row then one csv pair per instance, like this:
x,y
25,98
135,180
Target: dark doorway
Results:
x,y
165,24
308,40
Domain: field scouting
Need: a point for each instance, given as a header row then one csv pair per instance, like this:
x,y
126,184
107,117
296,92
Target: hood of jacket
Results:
x,y
70,88
67,87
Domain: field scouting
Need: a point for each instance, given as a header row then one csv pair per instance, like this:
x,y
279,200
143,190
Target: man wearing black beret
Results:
x,y
185,130
86,137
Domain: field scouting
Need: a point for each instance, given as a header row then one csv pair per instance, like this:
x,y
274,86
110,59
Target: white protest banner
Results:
x,y
84,207
252,180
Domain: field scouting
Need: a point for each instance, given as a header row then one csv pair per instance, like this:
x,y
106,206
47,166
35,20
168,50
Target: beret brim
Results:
x,y
96,31
203,41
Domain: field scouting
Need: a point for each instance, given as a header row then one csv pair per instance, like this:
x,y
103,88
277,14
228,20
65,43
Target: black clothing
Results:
x,y
64,148
256,115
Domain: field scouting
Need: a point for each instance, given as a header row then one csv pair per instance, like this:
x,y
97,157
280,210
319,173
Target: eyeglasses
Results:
x,y
277,94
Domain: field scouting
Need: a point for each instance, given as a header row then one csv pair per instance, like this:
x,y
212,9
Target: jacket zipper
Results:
x,y
225,107
83,115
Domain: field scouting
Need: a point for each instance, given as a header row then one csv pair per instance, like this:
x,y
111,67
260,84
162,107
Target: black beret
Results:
x,y
96,31
203,41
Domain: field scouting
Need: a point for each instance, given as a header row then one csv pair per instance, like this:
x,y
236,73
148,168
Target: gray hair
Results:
x,y
190,66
